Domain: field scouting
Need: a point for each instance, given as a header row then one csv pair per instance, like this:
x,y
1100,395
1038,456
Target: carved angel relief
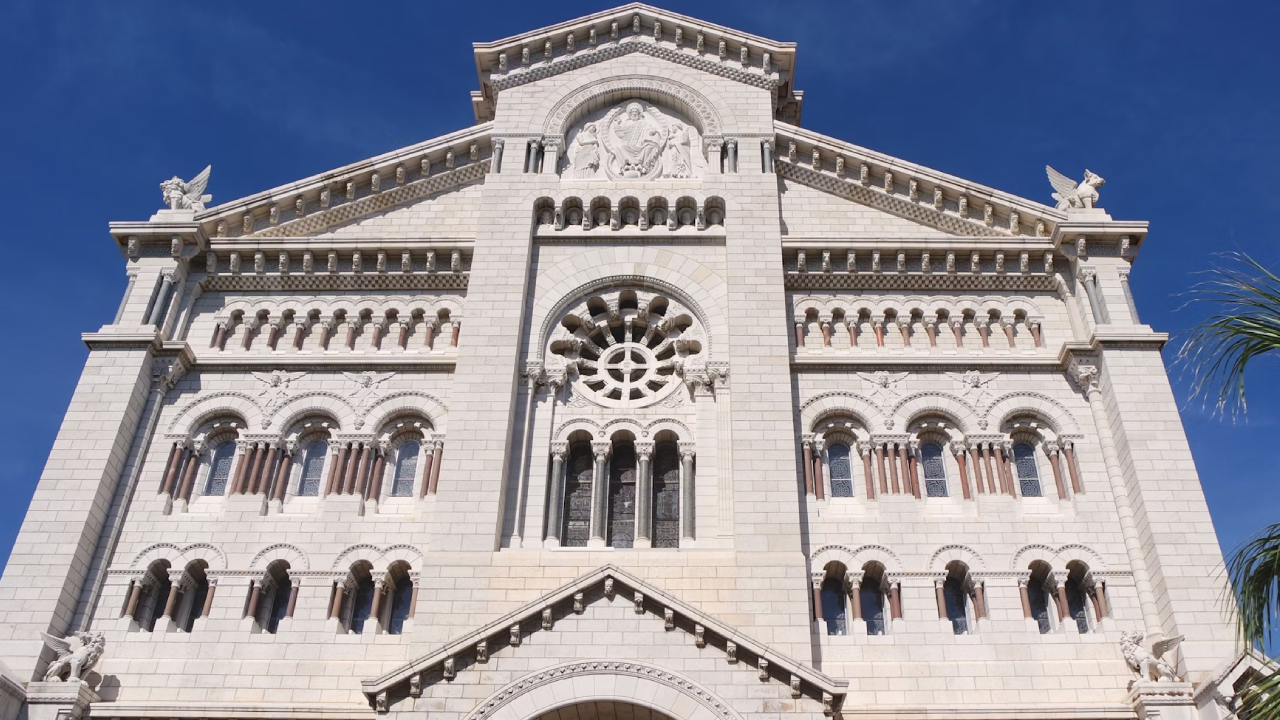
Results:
x,y
883,386
634,141
179,195
73,663
1070,195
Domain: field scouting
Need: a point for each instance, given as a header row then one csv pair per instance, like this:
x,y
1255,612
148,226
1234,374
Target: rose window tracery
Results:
x,y
626,348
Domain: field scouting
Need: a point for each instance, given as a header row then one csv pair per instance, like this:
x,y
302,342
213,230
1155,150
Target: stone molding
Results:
x,y
494,703
566,110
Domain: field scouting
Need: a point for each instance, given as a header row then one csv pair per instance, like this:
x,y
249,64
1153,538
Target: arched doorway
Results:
x,y
603,710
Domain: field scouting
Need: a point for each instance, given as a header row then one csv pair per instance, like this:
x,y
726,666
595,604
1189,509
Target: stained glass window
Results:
x,y
577,497
220,468
666,496
935,470
313,468
841,470
1024,456
406,469
622,496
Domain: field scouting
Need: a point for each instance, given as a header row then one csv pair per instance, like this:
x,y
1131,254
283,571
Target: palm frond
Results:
x,y
1260,699
1245,324
1254,569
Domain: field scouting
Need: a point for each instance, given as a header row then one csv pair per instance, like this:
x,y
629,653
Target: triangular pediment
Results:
x,y
635,28
607,584
921,195
337,197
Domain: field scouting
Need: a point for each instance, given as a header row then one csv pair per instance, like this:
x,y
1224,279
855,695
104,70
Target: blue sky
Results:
x,y
1175,103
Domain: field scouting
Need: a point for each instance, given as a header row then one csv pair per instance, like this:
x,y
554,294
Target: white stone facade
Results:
x,y
634,399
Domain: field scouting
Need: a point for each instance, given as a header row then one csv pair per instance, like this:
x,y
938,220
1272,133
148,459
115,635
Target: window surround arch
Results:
x,y
961,598
302,444
868,559
874,599
944,431
272,597
831,599
148,595
838,428
394,435
1041,604
219,440
196,588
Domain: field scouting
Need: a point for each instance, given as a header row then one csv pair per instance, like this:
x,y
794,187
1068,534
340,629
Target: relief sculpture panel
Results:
x,y
634,140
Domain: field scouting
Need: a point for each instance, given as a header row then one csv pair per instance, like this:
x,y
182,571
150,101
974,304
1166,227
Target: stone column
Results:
x,y
895,599
375,612
336,461
980,601
1006,469
1086,376
688,514
438,455
940,597
644,495
193,465
243,461
975,457
864,449
884,477
402,340
825,324
457,331
534,377
1025,598
807,462
913,462
208,598
429,328
877,324
162,299
816,583
1069,454
282,476
555,494
335,608
957,329
177,457
255,595
135,594
853,587
1051,449
600,492
819,476
892,460
799,335
379,469
957,449
263,483
731,147
496,163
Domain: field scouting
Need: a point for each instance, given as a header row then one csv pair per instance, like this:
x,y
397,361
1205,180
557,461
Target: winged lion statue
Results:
x,y
1149,664
190,195
1072,195
74,663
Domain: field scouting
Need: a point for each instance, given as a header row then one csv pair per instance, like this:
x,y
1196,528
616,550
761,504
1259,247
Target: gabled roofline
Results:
x,y
537,54
977,195
419,158
634,7
532,611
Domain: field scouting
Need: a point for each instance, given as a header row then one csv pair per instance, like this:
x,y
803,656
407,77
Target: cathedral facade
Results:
x,y
635,399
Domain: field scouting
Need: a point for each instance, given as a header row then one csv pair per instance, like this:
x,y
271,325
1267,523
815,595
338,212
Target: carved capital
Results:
x,y
559,450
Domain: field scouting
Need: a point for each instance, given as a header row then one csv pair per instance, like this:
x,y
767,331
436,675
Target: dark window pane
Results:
x,y
841,470
279,605
1024,456
197,604
935,470
1076,605
220,468
666,496
872,606
406,469
1039,605
313,468
622,496
956,600
833,606
362,605
577,498
401,601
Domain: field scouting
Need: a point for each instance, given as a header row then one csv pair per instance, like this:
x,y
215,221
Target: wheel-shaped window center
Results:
x,y
626,348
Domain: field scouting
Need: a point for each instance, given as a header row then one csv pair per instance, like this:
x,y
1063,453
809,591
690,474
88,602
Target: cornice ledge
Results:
x,y
625,46
109,339
604,574
284,711
1100,711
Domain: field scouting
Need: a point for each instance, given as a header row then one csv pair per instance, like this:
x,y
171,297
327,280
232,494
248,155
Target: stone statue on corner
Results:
x,y
1149,664
1072,196
75,664
187,195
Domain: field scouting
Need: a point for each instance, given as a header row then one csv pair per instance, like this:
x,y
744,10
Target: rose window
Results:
x,y
626,348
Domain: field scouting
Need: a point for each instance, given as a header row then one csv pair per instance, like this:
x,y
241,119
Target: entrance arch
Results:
x,y
603,710
592,686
